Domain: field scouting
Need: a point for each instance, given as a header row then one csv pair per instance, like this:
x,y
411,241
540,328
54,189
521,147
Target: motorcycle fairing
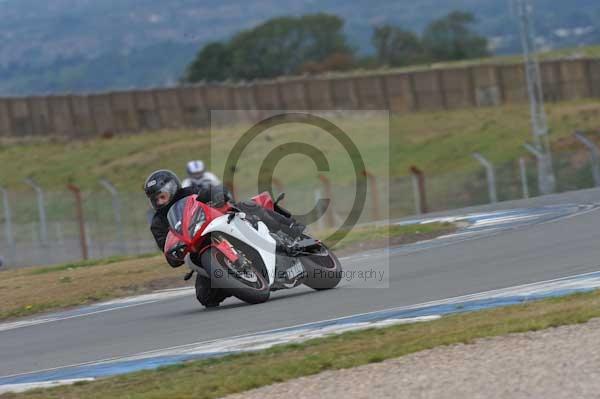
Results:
x,y
260,239
265,200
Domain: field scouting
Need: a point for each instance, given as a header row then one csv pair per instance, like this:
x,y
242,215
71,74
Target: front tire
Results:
x,y
250,290
323,271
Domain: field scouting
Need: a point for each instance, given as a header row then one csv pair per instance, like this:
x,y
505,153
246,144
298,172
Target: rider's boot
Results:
x,y
207,296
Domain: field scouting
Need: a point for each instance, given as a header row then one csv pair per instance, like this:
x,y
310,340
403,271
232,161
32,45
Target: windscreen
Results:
x,y
175,216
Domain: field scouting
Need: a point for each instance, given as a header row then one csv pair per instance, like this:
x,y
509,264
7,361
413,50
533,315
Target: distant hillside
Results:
x,y
79,45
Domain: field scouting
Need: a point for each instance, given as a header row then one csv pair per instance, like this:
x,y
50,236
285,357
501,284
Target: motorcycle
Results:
x,y
239,254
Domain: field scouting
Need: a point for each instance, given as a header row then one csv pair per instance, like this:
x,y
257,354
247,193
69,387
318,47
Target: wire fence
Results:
x,y
118,224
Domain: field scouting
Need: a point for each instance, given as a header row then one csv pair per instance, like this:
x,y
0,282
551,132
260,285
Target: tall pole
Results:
x,y
539,122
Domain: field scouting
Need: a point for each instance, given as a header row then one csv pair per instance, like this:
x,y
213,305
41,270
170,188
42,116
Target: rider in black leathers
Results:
x,y
163,189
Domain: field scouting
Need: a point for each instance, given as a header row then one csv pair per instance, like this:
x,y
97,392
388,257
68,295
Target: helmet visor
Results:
x,y
163,196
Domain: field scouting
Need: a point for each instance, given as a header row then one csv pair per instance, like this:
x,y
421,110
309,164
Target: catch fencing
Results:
x,y
117,223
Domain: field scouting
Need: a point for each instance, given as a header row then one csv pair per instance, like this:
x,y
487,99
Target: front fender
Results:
x,y
260,239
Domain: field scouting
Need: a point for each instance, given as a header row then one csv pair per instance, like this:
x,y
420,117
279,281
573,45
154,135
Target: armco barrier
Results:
x,y
80,116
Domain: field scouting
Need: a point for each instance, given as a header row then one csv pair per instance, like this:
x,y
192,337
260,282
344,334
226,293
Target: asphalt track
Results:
x,y
552,246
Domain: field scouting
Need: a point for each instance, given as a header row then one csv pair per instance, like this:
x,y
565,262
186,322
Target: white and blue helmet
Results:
x,y
195,167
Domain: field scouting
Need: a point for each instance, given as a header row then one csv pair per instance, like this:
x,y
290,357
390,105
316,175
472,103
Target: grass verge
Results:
x,y
214,378
25,292
370,237
438,142
87,263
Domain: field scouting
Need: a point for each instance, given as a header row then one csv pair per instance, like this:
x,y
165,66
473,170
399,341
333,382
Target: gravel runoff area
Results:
x,y
561,362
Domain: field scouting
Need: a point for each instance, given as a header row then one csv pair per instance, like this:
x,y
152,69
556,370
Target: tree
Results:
x,y
283,45
280,46
213,63
334,62
396,47
451,38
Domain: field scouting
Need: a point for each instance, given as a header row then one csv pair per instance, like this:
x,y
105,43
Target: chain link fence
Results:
x,y
56,235
115,225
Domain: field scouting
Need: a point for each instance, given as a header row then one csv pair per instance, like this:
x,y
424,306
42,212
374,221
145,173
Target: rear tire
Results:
x,y
222,277
323,272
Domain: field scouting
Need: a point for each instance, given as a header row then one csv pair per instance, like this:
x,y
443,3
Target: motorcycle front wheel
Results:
x,y
251,285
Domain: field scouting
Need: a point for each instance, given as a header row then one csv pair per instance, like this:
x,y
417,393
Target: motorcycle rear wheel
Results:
x,y
323,271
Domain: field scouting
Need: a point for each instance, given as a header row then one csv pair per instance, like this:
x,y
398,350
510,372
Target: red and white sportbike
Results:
x,y
239,254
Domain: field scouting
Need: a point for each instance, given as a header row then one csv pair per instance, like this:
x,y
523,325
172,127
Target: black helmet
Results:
x,y
161,181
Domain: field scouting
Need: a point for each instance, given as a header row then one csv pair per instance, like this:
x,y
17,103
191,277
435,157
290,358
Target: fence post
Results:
x,y
329,196
546,183
374,194
491,176
116,204
8,231
318,197
524,183
420,193
230,184
278,185
41,209
594,155
79,207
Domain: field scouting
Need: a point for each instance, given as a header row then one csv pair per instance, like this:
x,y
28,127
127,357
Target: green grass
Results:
x,y
438,142
87,263
408,233
34,290
213,378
